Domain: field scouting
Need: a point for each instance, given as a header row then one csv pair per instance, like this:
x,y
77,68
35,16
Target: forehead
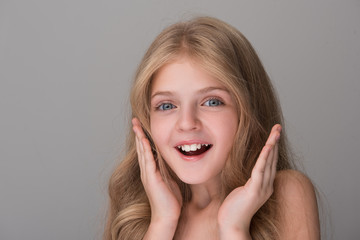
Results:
x,y
183,74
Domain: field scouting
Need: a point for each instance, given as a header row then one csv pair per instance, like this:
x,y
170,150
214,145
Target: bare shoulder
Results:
x,y
292,181
298,211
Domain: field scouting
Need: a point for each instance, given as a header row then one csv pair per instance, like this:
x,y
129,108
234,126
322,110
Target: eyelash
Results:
x,y
220,102
160,107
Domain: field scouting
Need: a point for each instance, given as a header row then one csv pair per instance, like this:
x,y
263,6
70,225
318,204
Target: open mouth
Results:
x,y
193,149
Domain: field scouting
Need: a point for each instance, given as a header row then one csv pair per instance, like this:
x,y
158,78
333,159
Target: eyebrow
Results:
x,y
201,91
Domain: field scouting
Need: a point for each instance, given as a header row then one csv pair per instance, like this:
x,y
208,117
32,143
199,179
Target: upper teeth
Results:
x,y
192,147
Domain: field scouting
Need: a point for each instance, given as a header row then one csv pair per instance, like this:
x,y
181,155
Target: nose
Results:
x,y
188,119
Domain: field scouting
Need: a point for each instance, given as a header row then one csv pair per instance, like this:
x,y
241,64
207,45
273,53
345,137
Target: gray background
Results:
x,y
65,69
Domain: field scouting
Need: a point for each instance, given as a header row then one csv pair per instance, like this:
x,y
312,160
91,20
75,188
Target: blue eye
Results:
x,y
165,106
213,102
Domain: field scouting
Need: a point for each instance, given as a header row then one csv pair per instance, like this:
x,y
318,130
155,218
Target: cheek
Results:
x,y
226,129
226,125
158,130
160,135
230,130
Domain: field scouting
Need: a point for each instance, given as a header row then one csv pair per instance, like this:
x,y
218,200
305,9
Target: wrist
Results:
x,y
161,230
168,221
232,233
235,234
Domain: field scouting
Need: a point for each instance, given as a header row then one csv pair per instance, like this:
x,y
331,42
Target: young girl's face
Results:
x,y
193,121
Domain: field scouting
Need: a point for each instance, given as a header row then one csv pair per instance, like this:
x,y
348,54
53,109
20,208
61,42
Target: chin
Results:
x,y
193,179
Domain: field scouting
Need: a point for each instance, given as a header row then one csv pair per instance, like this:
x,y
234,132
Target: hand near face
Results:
x,y
242,203
165,203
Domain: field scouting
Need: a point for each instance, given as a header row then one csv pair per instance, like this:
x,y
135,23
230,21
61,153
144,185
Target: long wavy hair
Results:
x,y
228,56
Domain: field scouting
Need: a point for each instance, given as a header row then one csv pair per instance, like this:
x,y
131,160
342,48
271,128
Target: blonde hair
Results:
x,y
226,54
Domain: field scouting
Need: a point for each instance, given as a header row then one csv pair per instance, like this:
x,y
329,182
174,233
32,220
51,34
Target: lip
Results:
x,y
191,142
193,158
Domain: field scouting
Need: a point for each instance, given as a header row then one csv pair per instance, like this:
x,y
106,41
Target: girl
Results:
x,y
205,159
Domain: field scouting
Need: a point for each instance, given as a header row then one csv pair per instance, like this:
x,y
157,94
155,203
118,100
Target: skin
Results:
x,y
203,113
298,201
189,117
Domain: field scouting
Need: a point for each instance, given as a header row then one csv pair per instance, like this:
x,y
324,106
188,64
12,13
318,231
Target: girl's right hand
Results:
x,y
165,202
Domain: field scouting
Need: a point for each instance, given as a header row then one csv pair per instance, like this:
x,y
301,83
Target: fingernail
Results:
x,y
277,138
134,121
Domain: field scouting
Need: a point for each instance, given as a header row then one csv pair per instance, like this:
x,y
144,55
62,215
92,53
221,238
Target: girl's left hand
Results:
x,y
242,203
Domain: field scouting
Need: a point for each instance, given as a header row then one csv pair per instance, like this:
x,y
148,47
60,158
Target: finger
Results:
x,y
137,128
148,156
275,132
267,170
138,136
274,164
141,151
140,160
135,122
271,141
137,144
139,147
257,173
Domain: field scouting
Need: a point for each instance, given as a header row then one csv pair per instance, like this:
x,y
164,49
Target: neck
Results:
x,y
205,194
